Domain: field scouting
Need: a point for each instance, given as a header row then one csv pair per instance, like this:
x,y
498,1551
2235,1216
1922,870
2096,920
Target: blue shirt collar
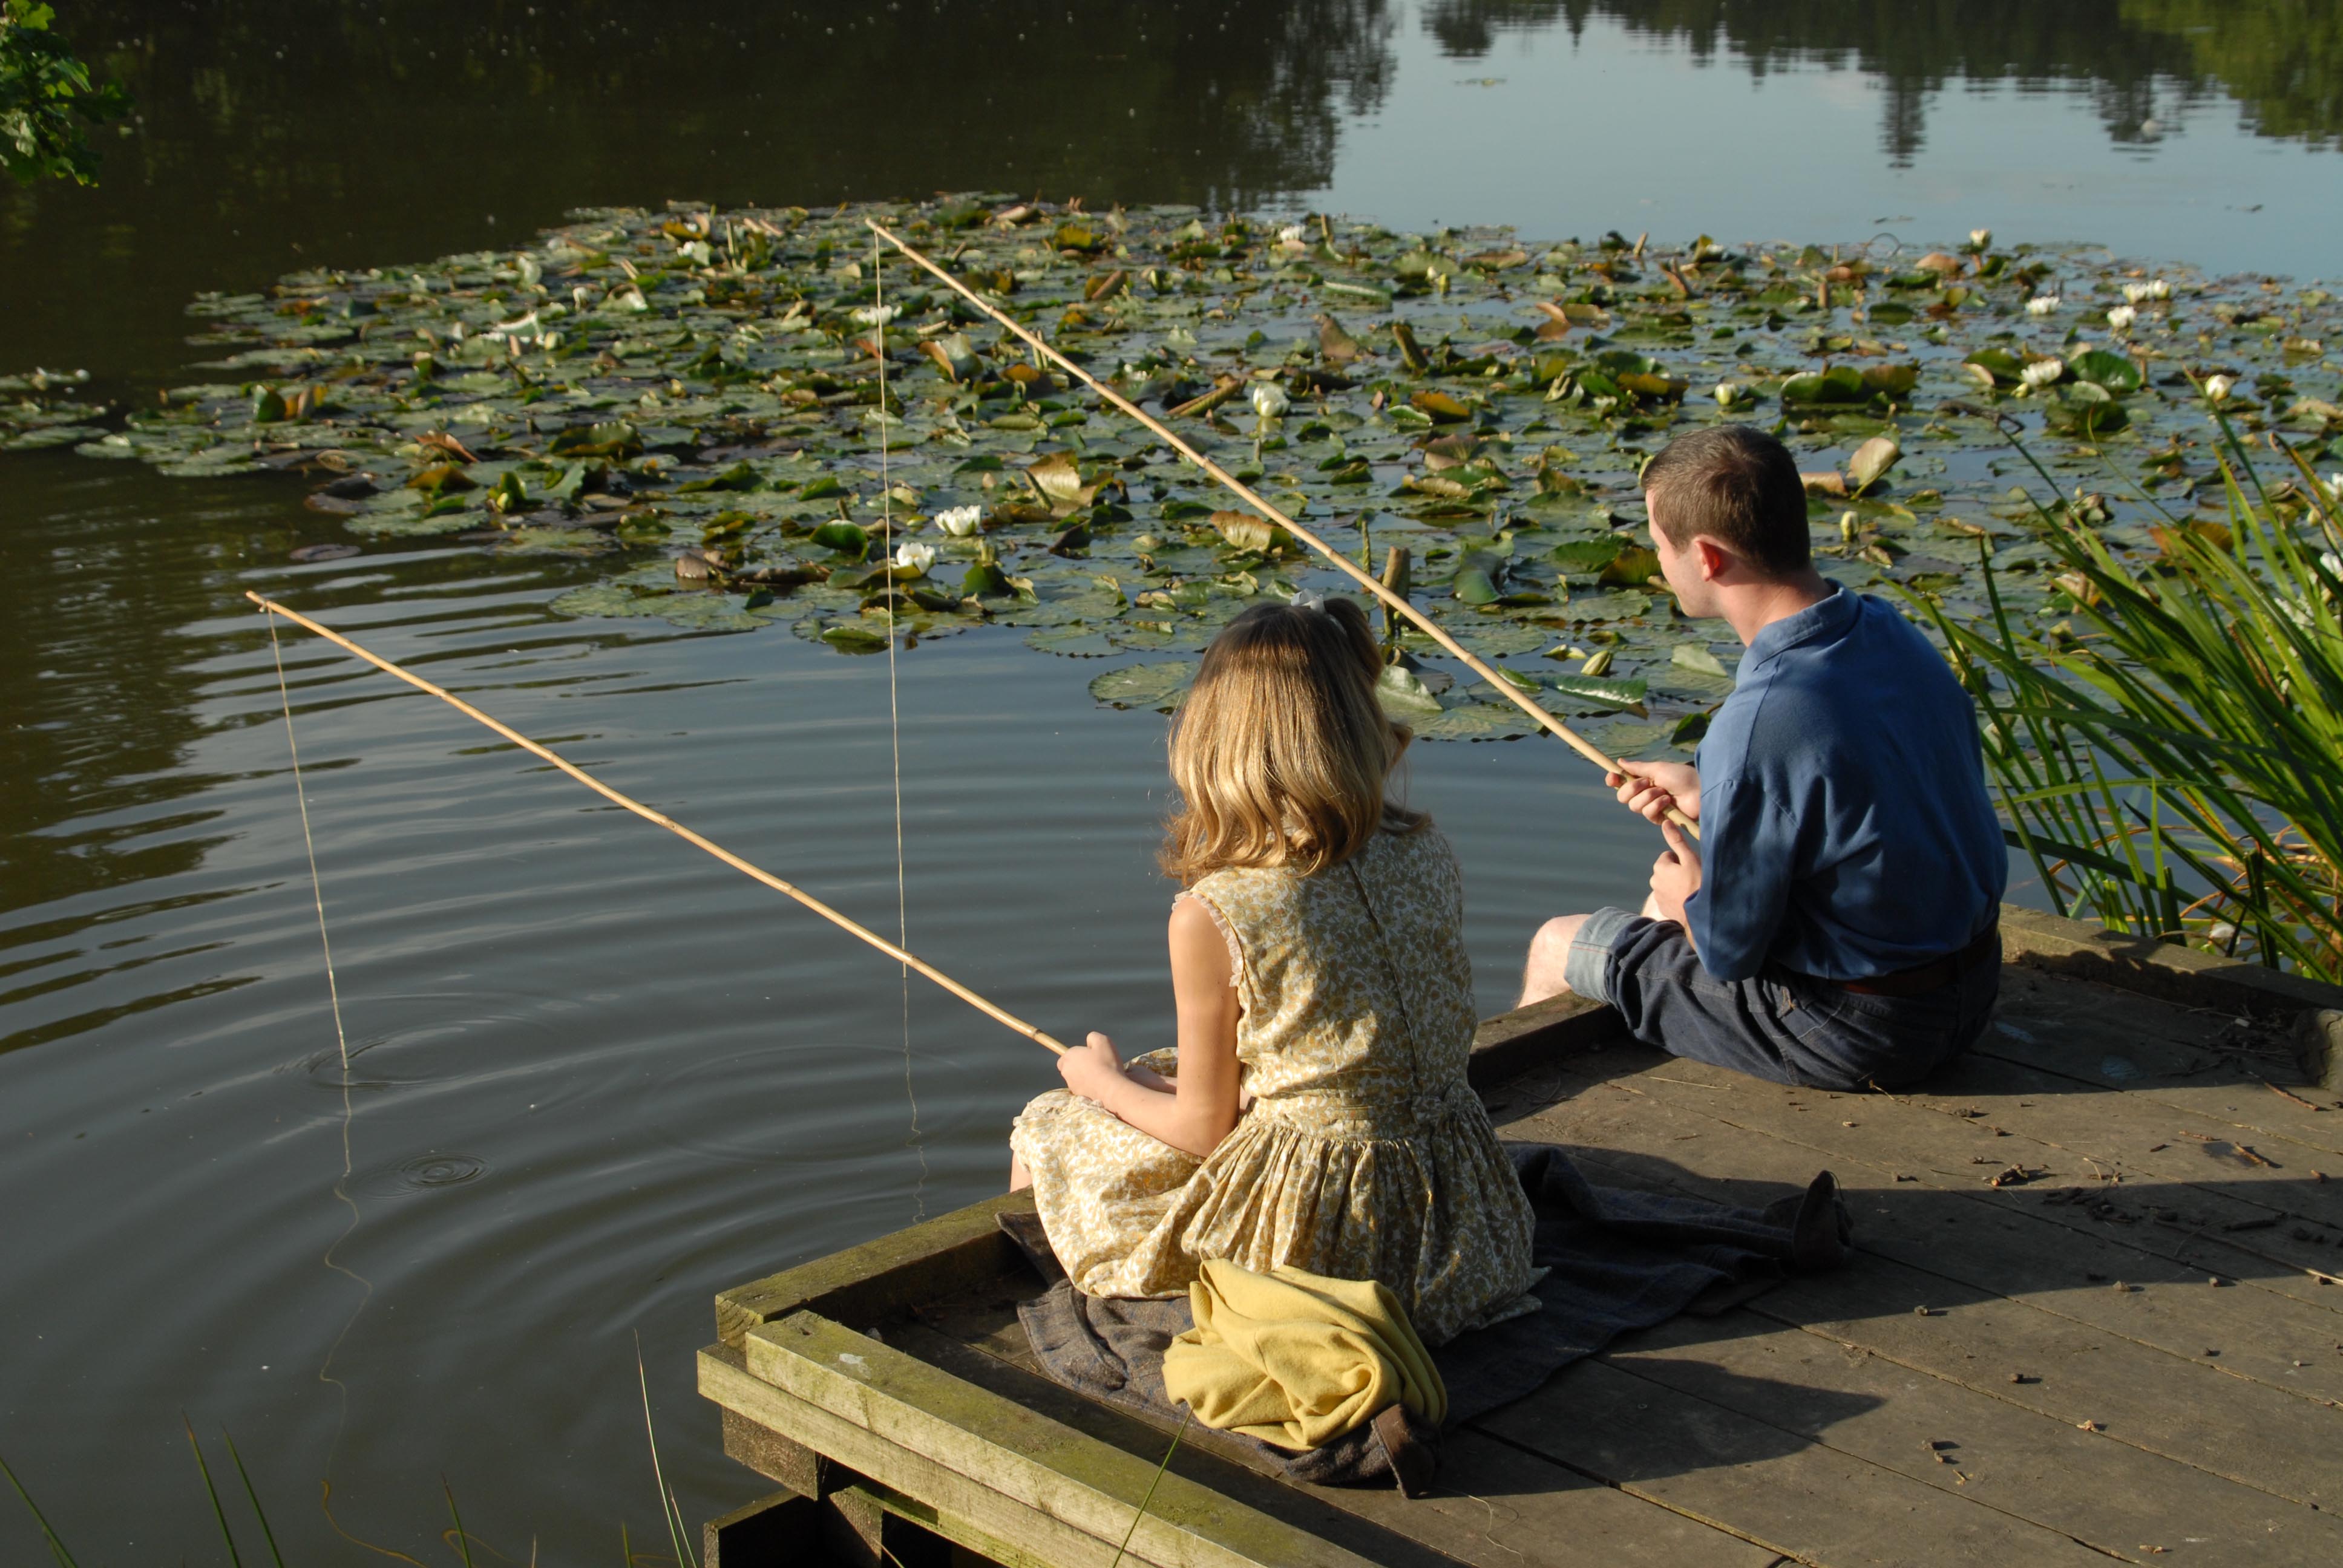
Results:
x,y
1825,618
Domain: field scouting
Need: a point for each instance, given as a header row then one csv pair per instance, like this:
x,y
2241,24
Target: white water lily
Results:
x,y
2041,373
960,521
1727,394
2158,288
2138,293
2218,387
1980,238
2042,305
1268,399
877,315
696,251
2121,316
915,558
1291,232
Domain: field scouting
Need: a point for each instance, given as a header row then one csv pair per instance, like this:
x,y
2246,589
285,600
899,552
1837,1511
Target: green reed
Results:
x,y
2175,766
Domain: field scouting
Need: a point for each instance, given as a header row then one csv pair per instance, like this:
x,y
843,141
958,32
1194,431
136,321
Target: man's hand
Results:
x,y
1675,877
1093,1071
1649,788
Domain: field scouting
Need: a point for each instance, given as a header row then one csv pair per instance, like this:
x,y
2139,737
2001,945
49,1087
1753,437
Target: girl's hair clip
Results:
x,y
1309,599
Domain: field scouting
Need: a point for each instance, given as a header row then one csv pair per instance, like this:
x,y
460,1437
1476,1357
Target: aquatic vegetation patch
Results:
x,y
753,426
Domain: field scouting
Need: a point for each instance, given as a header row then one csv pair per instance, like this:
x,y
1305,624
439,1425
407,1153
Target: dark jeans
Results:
x,y
1784,1028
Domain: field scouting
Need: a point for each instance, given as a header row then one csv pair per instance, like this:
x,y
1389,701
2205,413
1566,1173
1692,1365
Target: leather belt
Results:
x,y
1932,976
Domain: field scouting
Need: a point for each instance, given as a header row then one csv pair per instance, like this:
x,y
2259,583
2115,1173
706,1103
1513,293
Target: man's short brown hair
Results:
x,y
1738,486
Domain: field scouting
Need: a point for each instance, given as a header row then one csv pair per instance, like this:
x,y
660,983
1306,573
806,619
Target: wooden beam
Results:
x,y
1513,1042
2159,969
771,1533
724,1379
880,1278
1019,1454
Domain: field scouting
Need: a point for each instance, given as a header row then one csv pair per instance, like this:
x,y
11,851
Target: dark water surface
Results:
x,y
594,1077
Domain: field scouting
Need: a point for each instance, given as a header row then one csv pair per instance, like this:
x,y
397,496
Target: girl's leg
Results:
x,y
1018,1178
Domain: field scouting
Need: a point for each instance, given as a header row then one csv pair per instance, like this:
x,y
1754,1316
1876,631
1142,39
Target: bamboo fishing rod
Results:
x,y
1365,579
997,1014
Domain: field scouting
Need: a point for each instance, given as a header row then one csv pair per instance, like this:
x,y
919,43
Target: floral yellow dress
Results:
x,y
1363,1156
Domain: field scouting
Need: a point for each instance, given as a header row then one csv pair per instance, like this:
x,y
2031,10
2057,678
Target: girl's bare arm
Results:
x,y
1199,1110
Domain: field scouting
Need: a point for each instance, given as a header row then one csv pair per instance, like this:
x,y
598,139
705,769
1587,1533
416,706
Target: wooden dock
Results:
x,y
2096,1311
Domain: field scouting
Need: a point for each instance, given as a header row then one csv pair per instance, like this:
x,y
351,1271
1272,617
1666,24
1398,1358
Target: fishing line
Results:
x,y
700,841
341,1040
894,712
1221,477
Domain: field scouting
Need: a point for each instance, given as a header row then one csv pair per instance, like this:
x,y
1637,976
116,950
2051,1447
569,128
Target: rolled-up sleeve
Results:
x,y
1749,855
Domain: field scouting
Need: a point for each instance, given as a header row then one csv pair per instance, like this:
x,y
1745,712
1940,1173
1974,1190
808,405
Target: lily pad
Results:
x,y
1403,696
1157,686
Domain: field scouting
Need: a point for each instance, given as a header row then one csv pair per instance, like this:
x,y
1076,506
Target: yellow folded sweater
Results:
x,y
1298,1359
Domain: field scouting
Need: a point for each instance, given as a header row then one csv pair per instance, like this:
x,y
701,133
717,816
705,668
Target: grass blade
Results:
x,y
267,1534
1150,1497
463,1542
668,1507
57,1547
234,1556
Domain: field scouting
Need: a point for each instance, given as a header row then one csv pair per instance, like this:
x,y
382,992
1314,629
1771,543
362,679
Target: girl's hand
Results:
x,y
1092,1070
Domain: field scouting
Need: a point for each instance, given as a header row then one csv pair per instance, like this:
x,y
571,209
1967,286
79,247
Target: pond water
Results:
x,y
594,1076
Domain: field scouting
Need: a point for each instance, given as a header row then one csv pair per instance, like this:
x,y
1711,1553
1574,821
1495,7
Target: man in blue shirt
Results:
x,y
1835,925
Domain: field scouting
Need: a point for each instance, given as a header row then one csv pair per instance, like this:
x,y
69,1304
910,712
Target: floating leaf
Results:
x,y
1699,661
1074,641
1158,685
1405,696
1589,555
2112,371
1477,721
1872,461
1249,531
1625,605
1624,695
1631,566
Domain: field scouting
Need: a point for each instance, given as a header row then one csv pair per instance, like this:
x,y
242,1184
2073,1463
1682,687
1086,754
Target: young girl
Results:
x,y
1317,1115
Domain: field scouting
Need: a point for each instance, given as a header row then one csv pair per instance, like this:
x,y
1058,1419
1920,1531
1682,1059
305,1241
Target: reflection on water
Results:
x,y
2140,60
594,1078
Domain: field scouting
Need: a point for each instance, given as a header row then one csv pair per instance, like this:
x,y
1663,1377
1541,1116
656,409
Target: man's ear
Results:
x,y
1715,560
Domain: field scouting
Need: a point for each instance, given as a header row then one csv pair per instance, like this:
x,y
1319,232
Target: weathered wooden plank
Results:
x,y
776,1457
2319,1045
1774,1486
1976,1236
2155,968
2101,1036
1962,1440
2189,1411
1966,1154
725,1378
1558,1027
901,1529
1492,1504
879,1279
1352,1519
1017,1453
2089,1348
2131,1136
771,1533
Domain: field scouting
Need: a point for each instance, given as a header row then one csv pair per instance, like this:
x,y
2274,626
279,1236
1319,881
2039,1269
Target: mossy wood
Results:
x,y
2089,1317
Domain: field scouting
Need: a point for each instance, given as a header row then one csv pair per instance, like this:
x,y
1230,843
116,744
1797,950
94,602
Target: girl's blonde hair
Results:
x,y
1281,752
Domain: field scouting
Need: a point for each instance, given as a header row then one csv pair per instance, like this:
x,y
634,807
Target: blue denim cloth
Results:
x,y
1777,1026
1845,828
